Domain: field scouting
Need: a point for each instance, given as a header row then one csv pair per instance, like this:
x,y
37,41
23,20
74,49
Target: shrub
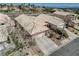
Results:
x,y
65,34
62,32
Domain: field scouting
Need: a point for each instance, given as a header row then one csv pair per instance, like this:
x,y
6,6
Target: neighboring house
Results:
x,y
5,26
61,14
5,22
69,18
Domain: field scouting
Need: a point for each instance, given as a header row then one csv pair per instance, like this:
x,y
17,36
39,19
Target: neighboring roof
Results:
x,y
62,13
71,49
5,22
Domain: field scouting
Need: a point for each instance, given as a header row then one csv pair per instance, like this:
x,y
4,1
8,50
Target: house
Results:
x,y
36,26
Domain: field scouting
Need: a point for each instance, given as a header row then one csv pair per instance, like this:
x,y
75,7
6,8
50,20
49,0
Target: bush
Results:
x,y
9,51
8,40
63,32
32,43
